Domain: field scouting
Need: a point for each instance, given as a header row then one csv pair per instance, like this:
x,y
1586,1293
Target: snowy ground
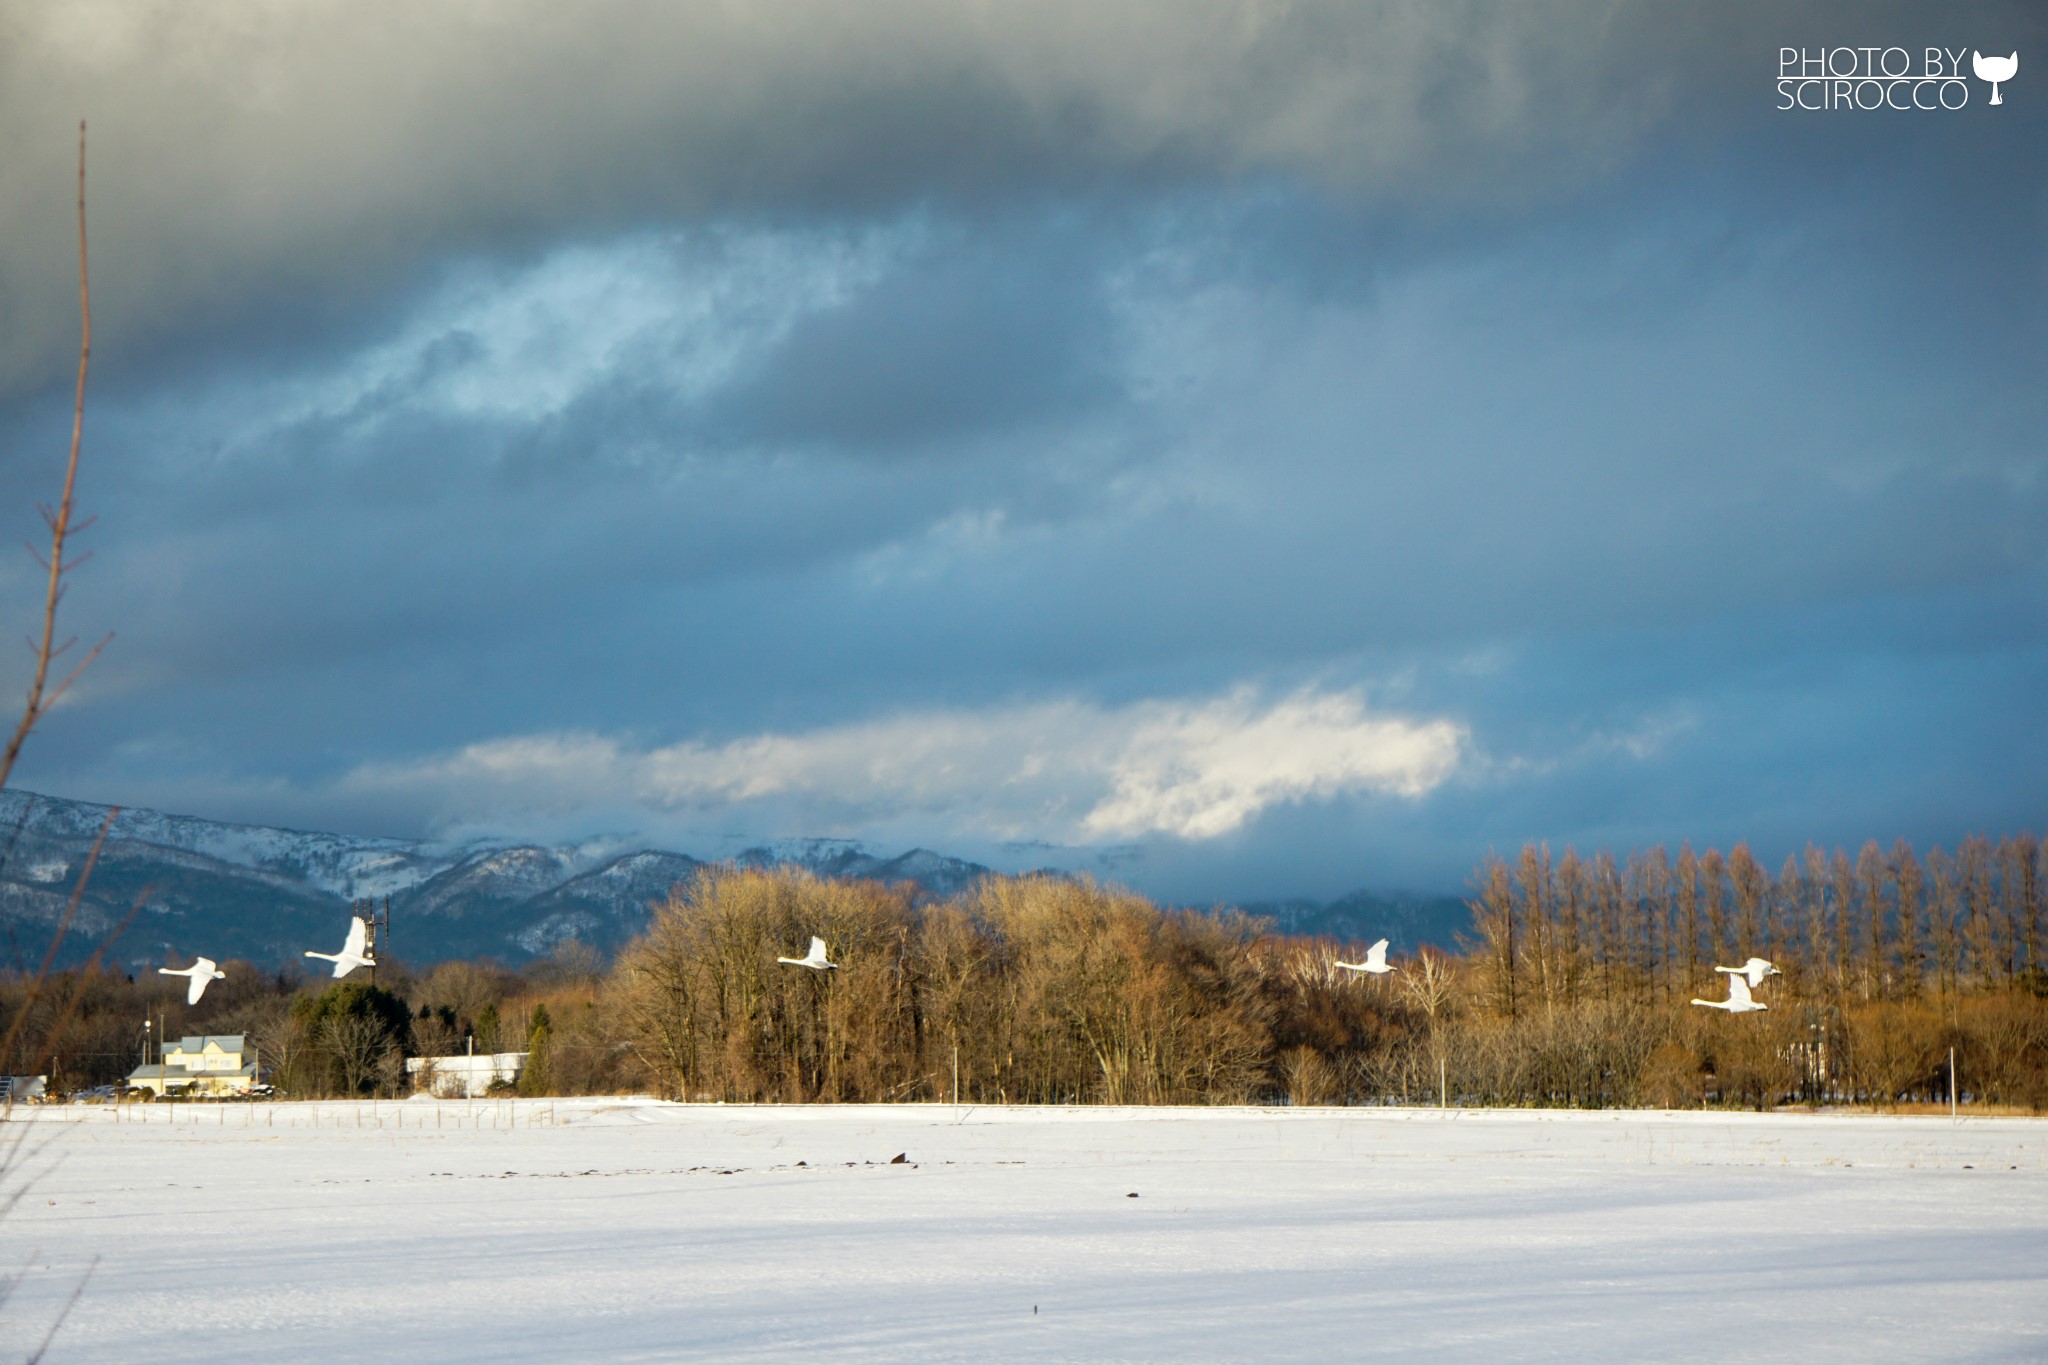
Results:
x,y
626,1230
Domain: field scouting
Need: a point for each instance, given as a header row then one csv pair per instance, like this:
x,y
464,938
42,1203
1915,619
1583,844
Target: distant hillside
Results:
x,y
1407,920
249,891
264,894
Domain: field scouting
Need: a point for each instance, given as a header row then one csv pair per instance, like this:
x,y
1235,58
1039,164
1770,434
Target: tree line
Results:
x,y
1892,964
1572,987
1883,926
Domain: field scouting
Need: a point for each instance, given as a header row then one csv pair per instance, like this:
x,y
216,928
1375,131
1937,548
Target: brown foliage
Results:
x,y
1037,989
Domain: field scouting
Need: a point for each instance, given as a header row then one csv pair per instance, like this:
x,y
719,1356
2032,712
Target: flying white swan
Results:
x,y
1756,969
1995,69
1375,961
816,961
202,973
351,955
1738,1001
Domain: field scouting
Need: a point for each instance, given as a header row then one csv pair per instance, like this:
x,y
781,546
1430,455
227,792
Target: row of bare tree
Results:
x,y
1647,928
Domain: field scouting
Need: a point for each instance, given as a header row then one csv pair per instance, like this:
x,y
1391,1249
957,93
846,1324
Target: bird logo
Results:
x,y
1995,69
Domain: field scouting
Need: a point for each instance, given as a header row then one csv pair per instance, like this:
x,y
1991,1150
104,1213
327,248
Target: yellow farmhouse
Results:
x,y
210,1064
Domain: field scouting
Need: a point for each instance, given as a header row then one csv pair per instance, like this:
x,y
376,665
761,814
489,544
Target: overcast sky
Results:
x,y
1248,449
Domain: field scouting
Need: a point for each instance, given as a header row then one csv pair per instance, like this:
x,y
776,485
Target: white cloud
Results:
x,y
1067,771
1203,770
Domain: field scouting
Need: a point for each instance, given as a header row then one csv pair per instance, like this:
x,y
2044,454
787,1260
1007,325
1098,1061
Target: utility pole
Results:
x,y
376,927
365,909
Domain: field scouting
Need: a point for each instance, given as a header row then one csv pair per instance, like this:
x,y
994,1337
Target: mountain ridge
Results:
x,y
266,893
185,884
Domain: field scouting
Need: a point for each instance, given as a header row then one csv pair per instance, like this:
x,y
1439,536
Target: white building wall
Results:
x,y
466,1076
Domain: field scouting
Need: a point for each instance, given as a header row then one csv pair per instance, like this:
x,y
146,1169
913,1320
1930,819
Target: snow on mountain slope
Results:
x,y
186,885
338,864
607,907
938,874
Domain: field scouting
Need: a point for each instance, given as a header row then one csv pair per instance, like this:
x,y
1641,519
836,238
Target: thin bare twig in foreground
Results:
x,y
58,1031
69,1304
42,976
41,695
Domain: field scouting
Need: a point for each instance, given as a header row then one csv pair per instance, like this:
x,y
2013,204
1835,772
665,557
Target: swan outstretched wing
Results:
x,y
817,949
358,934
1738,990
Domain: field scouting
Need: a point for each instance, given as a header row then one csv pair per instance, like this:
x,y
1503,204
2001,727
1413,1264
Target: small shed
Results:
x,y
468,1076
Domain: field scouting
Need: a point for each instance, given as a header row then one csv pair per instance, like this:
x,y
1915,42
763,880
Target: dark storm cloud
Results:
x,y
325,151
1012,337
1516,410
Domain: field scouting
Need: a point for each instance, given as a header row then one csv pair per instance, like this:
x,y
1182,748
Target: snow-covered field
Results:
x,y
628,1230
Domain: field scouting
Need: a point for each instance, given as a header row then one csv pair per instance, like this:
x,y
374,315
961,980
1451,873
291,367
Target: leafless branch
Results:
x,y
42,696
77,1293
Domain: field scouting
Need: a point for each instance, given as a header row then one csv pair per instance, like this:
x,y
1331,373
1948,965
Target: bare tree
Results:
x,y
1752,891
358,1043
42,692
1493,915
1944,913
1714,899
1908,950
1687,877
2020,879
1980,913
1532,875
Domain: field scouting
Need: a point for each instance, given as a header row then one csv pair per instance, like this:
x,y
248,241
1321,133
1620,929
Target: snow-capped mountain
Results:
x,y
189,885
186,885
935,872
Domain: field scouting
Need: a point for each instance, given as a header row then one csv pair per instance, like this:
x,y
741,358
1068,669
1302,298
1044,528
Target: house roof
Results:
x,y
226,1042
154,1071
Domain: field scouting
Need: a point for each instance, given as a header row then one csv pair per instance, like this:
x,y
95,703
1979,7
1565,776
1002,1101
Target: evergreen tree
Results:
x,y
359,1028
487,1029
537,1077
